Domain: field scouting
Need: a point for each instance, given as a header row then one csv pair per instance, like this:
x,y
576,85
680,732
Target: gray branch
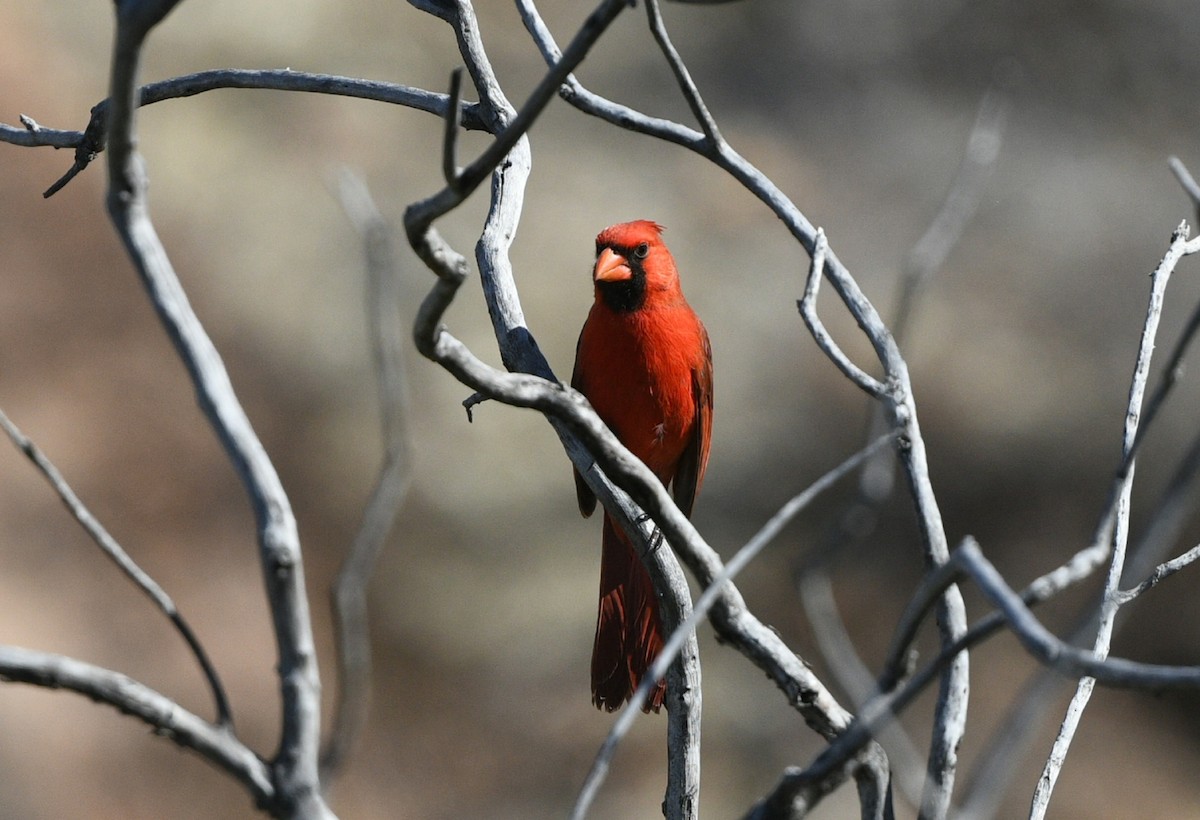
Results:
x,y
704,604
1111,598
110,547
165,717
295,767
91,141
520,353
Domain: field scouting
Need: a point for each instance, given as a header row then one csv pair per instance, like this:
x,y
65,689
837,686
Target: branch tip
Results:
x,y
469,403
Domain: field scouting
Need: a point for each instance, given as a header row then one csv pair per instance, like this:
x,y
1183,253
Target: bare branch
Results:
x,y
164,716
574,93
682,75
35,136
1161,573
296,765
704,603
453,117
1170,377
808,311
1110,601
90,142
109,546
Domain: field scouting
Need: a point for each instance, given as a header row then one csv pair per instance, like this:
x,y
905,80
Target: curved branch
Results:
x,y
518,349
1110,601
682,76
90,142
296,765
167,718
120,557
808,312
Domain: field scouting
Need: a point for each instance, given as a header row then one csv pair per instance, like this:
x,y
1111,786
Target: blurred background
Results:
x,y
483,605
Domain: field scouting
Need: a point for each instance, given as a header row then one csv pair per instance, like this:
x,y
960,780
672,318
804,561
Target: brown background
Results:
x,y
483,606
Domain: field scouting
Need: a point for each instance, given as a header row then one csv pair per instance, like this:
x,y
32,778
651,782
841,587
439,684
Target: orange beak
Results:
x,y
611,267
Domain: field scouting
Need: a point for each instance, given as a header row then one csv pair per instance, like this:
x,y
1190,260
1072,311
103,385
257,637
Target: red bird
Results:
x,y
645,364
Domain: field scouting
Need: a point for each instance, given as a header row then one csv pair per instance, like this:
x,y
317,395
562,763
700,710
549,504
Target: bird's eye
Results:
x,y
642,250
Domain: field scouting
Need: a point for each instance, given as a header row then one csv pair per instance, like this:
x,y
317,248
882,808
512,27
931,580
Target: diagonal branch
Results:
x,y
217,744
704,603
1111,598
120,557
808,312
295,767
682,75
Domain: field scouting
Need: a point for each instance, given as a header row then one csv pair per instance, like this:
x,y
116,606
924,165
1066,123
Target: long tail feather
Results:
x,y
628,631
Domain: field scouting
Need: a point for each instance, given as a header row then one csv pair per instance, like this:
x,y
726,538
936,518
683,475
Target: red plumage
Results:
x,y
645,364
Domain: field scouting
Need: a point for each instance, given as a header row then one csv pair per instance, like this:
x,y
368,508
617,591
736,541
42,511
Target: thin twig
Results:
x,y
1167,381
164,716
808,311
682,76
90,142
110,547
1161,573
1110,601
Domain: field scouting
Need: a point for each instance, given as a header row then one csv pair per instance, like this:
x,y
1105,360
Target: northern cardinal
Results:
x,y
644,363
